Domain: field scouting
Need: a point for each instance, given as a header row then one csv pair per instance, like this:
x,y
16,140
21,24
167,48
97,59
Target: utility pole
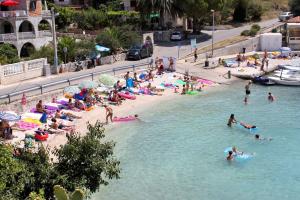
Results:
x,y
54,40
213,31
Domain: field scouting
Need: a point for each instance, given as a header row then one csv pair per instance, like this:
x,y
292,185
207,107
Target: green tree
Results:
x,y
45,52
295,7
65,17
87,161
8,54
240,10
13,174
109,38
61,194
70,44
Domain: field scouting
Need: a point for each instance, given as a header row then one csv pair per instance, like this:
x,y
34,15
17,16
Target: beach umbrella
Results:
x,y
71,90
9,116
107,80
86,84
101,48
9,3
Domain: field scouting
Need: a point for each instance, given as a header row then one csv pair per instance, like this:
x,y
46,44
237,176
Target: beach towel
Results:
x,y
33,121
129,83
26,125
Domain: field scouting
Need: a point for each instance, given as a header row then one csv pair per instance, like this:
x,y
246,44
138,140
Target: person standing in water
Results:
x,y
271,97
230,156
247,88
231,120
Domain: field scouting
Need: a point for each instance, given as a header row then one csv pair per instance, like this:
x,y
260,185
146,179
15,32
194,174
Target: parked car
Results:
x,y
285,16
177,36
137,52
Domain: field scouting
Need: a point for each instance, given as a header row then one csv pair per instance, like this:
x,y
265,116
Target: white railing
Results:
x,y
15,13
26,35
45,34
8,37
36,64
13,69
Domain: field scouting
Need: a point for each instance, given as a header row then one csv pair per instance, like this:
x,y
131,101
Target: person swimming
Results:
x,y
231,120
247,126
257,137
230,156
271,97
236,152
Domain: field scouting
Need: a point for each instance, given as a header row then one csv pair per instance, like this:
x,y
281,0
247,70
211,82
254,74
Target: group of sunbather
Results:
x,y
189,85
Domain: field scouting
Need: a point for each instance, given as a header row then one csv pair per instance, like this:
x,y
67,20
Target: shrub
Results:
x,y
240,10
8,54
255,27
252,32
45,52
274,30
245,33
91,19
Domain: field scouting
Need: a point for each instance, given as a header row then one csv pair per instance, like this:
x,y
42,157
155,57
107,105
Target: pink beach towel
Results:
x,y
26,125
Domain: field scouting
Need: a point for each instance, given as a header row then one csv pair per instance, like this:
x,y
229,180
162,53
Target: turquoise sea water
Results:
x,y
177,152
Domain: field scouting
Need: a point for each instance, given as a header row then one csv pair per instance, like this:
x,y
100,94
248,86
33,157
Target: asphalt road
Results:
x,y
166,49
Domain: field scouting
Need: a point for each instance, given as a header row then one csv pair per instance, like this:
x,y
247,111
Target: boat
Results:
x,y
284,81
289,67
263,80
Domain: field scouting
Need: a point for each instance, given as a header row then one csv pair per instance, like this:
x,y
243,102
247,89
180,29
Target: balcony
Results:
x,y
26,35
8,37
13,14
45,34
46,13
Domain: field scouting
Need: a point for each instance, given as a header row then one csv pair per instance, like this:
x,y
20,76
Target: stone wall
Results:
x,y
14,73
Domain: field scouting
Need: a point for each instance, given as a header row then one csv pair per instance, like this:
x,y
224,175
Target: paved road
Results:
x,y
167,49
218,36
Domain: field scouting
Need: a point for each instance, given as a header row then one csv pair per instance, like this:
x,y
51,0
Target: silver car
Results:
x,y
285,16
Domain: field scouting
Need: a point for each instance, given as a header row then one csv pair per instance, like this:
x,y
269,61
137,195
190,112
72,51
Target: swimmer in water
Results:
x,y
257,137
246,100
236,152
231,120
230,156
271,97
247,126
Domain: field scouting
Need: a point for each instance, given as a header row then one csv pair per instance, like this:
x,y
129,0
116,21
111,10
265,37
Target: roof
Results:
x,y
294,20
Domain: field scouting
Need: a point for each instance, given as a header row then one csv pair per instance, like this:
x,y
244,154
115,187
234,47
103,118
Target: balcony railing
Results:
x,y
8,37
45,34
15,13
26,35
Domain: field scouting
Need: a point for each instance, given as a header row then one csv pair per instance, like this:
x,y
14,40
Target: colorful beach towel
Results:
x,y
26,125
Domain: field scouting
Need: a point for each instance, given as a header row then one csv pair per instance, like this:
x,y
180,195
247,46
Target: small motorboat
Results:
x,y
263,80
285,81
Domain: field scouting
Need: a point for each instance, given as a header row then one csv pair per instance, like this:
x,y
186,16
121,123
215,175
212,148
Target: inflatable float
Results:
x,y
242,156
192,92
41,137
127,95
124,119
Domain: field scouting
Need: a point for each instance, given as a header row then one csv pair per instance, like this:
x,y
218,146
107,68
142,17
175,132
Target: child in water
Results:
x,y
230,156
231,120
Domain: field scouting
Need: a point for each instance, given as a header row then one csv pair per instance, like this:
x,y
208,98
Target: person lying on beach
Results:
x,y
271,97
257,137
65,115
230,156
231,120
56,125
183,90
39,107
247,126
109,113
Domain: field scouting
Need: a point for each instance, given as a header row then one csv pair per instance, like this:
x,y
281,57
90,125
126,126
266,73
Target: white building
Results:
x,y
25,26
293,33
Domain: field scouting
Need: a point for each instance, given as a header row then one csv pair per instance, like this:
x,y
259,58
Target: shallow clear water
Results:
x,y
177,152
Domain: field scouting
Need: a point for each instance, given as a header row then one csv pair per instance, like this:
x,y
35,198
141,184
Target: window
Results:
x,y
32,5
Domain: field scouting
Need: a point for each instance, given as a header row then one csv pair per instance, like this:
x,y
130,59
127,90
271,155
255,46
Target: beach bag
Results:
x,y
43,119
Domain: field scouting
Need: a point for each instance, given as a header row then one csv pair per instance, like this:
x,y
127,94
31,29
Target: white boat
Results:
x,y
289,67
289,81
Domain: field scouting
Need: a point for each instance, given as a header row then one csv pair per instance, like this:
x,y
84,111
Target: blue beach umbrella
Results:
x,y
101,48
9,116
87,84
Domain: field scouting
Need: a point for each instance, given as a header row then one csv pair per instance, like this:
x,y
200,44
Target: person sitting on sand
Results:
x,y
176,88
271,97
109,113
257,137
79,105
5,130
118,86
231,120
247,126
160,69
88,101
149,76
183,90
171,65
98,98
127,76
39,107
230,156
116,98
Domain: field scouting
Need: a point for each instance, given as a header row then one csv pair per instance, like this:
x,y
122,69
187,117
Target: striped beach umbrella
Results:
x,y
9,116
87,84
